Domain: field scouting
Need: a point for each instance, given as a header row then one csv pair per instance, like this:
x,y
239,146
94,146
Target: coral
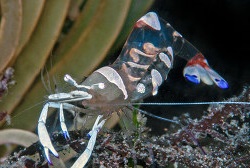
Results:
x,y
5,80
221,138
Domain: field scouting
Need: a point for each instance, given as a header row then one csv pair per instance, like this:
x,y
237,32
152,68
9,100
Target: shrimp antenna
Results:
x,y
190,103
157,117
46,84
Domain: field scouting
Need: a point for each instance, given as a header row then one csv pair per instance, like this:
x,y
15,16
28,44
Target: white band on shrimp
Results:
x,y
112,76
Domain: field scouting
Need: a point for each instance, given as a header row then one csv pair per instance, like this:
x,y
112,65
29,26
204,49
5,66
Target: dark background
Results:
x,y
220,30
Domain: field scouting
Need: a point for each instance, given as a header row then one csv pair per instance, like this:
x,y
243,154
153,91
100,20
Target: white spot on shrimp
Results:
x,y
101,85
170,52
156,81
164,58
151,19
140,88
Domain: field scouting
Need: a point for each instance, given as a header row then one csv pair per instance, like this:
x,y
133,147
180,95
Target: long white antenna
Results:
x,y
190,103
155,116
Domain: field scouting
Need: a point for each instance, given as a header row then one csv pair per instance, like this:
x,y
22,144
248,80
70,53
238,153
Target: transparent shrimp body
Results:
x,y
141,68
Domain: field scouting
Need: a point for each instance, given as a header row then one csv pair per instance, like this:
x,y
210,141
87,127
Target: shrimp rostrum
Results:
x,y
138,72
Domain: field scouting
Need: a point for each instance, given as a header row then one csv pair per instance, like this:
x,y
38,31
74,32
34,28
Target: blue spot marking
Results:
x,y
192,78
222,84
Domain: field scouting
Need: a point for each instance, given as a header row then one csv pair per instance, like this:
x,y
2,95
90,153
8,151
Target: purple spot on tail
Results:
x,y
192,78
222,84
